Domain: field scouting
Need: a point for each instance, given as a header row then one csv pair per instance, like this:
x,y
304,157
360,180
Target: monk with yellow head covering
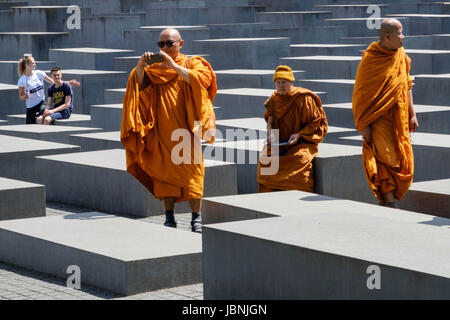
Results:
x,y
167,104
301,122
384,114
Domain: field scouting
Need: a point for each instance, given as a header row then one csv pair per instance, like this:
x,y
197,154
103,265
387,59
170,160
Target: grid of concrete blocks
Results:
x,y
69,209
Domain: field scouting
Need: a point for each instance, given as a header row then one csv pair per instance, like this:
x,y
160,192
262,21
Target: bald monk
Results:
x,y
384,114
298,115
161,100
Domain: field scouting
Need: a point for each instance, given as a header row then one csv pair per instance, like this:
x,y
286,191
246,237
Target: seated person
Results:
x,y
59,101
301,122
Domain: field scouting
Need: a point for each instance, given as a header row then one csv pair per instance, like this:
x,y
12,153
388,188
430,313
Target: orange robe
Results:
x,y
151,115
380,100
300,112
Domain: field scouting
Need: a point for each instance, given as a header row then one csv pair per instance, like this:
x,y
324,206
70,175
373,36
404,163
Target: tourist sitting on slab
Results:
x,y
301,122
59,101
31,87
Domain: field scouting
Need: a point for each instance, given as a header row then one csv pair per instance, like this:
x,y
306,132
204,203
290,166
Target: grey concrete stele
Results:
x,y
113,253
321,248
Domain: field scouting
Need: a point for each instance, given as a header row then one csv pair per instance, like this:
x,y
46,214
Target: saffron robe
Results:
x,y
380,100
300,111
152,115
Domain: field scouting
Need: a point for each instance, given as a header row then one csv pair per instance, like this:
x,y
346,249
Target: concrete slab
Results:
x,y
245,102
350,10
293,19
19,199
313,49
106,116
248,78
76,120
325,67
117,254
244,53
14,44
338,90
114,96
425,23
357,27
332,248
102,183
87,58
9,72
45,133
430,197
311,34
429,61
97,141
93,83
438,84
431,155
17,157
10,103
236,30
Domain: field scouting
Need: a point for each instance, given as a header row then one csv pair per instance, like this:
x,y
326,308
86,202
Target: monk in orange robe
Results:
x,y
166,103
384,114
301,122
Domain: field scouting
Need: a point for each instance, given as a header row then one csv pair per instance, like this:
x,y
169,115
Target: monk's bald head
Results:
x,y
391,34
172,33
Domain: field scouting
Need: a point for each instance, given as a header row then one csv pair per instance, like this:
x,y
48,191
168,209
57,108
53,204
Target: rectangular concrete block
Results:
x,y
325,67
75,120
112,253
248,78
429,61
107,116
114,96
49,133
93,83
10,103
329,249
310,34
9,73
97,141
430,197
244,53
294,18
17,157
87,58
19,199
236,30
311,49
338,90
102,183
438,84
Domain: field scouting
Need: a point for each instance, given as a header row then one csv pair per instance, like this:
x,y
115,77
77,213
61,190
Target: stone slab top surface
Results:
x,y
5,86
421,139
117,90
331,150
325,58
419,108
110,106
375,239
427,51
39,7
443,76
251,72
358,19
9,144
109,135
109,159
92,50
419,15
241,39
38,128
8,184
90,72
436,186
108,235
344,81
158,28
324,45
73,117
294,12
252,92
349,5
295,203
31,33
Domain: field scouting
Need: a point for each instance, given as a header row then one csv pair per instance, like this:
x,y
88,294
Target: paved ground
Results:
x,y
20,284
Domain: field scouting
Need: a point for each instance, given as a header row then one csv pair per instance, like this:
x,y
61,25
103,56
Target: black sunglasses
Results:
x,y
168,43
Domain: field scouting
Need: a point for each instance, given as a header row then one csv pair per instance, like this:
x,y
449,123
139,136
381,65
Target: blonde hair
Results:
x,y
23,64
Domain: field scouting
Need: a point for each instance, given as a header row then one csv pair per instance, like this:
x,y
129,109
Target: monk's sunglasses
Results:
x,y
168,43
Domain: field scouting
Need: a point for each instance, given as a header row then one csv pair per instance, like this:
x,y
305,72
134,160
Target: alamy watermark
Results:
x,y
374,281
74,280
374,21
74,20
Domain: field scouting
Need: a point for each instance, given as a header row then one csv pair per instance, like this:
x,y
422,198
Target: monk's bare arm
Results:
x,y
366,134
413,122
269,129
140,68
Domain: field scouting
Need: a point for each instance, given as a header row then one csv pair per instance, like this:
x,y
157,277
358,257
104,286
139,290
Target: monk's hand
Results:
x,y
168,61
413,124
144,58
366,134
293,139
